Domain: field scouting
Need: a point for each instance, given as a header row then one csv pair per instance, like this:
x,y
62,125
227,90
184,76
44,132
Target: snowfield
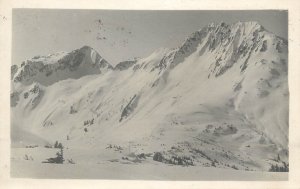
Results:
x,y
148,170
214,108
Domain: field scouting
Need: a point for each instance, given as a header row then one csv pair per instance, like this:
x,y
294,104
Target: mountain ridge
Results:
x,y
224,89
186,47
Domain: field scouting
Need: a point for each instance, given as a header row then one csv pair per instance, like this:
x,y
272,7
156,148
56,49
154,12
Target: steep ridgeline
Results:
x,y
228,44
221,97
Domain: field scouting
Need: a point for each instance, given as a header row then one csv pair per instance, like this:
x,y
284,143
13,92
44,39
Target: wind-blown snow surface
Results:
x,y
221,98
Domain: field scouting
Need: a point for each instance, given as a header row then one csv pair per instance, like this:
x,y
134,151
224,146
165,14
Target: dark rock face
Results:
x,y
13,71
129,108
264,46
125,65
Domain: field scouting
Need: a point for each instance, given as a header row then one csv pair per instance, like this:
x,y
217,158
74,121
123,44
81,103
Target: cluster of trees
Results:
x,y
202,154
72,110
26,157
175,160
48,146
213,163
158,157
26,94
32,146
141,156
89,122
277,168
137,158
59,159
234,167
117,148
58,145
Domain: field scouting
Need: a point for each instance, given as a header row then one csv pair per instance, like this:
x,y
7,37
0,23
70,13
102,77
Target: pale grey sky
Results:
x,y
120,35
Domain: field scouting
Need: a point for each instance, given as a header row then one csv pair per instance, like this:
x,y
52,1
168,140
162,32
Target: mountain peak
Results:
x,y
216,24
86,48
240,23
227,43
250,26
55,67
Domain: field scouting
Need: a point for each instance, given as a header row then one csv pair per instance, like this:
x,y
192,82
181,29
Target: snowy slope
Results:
x,y
221,98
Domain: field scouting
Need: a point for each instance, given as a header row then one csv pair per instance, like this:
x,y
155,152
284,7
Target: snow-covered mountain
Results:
x,y
221,97
47,70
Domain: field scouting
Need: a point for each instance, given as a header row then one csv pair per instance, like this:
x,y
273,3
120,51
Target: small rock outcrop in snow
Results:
x,y
125,65
129,108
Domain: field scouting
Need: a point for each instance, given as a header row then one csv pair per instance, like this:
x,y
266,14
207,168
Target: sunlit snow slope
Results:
x,y
221,96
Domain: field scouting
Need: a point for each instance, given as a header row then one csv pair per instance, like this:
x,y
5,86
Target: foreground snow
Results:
x,y
95,168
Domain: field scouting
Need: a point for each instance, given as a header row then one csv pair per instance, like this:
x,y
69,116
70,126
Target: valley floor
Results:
x,y
32,167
